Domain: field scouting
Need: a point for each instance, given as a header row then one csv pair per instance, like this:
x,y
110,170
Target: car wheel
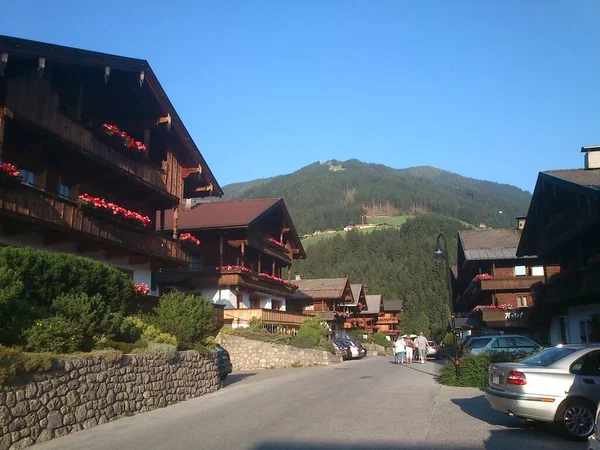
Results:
x,y
575,419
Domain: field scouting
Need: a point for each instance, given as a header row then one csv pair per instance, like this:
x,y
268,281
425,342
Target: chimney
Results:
x,y
298,277
188,204
592,157
521,222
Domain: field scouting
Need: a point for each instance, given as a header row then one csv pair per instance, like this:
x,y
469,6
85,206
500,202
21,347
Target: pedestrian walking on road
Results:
x,y
400,349
422,344
409,350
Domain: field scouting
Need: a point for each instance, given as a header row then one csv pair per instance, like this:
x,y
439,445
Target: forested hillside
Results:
x,y
319,198
397,264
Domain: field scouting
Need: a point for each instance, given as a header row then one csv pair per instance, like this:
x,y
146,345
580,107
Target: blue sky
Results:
x,y
491,90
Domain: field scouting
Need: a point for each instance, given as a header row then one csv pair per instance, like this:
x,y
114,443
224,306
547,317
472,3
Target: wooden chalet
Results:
x,y
240,257
388,321
366,318
326,297
494,284
100,149
563,225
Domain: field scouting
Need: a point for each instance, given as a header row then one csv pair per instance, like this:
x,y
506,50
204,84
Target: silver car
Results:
x,y
560,385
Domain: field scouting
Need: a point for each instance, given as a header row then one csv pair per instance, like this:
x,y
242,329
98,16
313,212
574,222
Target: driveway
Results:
x,y
366,404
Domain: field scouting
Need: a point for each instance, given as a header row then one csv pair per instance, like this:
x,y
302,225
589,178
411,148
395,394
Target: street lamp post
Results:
x,y
440,255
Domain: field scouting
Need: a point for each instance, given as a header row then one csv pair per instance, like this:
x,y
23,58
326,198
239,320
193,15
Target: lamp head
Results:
x,y
438,254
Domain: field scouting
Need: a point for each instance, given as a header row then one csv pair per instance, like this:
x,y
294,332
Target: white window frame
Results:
x,y
520,271
537,271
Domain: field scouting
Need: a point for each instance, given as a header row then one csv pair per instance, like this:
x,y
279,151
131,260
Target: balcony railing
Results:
x,y
52,212
262,244
509,283
85,141
268,316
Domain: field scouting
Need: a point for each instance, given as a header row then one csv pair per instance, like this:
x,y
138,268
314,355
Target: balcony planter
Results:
x,y
112,212
10,178
121,141
189,241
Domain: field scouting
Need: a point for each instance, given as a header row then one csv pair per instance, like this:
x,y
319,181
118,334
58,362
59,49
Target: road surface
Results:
x,y
366,404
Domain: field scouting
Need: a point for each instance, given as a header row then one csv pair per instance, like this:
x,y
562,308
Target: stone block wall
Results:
x,y
248,354
82,393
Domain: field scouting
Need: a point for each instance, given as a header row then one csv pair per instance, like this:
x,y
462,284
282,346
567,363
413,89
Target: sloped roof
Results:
x,y
490,244
393,305
232,214
584,177
356,288
323,287
373,304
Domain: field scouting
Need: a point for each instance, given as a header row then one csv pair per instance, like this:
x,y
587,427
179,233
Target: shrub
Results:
x,y
92,313
256,324
302,342
309,334
55,335
262,335
14,362
166,352
205,350
127,347
314,329
188,317
145,331
473,371
129,330
12,311
327,345
357,335
380,339
226,330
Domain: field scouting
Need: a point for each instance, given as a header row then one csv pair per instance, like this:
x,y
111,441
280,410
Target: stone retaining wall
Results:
x,y
248,354
82,393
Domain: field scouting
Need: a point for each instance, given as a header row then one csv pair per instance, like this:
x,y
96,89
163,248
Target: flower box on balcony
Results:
x,y
113,213
121,141
10,177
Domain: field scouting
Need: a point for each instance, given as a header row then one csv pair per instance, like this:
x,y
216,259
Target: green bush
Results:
x,y
166,352
327,345
302,342
205,350
226,330
12,310
262,335
46,276
14,362
358,335
380,339
146,331
189,318
129,330
55,335
310,335
256,324
314,329
93,314
473,371
126,347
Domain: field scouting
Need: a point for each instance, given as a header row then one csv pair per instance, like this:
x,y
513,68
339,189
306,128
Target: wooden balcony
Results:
x,y
262,244
388,321
47,212
268,316
564,227
86,142
512,318
509,283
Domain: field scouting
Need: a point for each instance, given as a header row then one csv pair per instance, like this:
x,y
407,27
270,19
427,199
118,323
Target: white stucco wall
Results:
x,y
228,298
575,315
141,272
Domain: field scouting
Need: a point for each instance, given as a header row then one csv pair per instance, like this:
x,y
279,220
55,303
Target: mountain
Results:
x,y
396,263
333,194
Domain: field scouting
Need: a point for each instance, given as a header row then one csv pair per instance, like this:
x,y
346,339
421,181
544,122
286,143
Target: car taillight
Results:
x,y
517,378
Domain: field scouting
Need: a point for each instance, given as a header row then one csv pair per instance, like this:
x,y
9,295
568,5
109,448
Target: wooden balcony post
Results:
x,y
176,221
273,268
243,250
162,219
147,139
221,250
259,264
2,120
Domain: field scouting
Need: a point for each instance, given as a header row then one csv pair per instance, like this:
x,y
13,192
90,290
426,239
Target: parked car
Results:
x,y
432,350
501,343
594,439
358,351
224,362
559,385
344,349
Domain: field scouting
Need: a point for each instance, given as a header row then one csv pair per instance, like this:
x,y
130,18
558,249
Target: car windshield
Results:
x,y
547,357
478,343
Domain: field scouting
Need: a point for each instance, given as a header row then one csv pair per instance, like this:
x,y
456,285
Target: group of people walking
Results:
x,y
406,347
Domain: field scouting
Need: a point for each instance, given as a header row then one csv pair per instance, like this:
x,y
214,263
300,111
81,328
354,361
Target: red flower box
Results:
x,y
187,237
128,141
276,242
141,289
114,210
9,175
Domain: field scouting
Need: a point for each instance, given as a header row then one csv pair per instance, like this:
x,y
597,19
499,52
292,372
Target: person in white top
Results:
x,y
409,350
400,350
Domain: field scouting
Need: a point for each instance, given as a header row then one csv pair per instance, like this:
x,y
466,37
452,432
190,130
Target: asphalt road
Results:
x,y
367,404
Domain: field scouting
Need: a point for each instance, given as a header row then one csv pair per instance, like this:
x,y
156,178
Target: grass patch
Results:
x,y
395,221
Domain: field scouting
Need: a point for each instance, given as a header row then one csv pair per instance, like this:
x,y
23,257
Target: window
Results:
x,y
504,343
479,343
65,191
523,342
520,271
276,304
547,357
537,271
522,301
195,262
587,365
28,177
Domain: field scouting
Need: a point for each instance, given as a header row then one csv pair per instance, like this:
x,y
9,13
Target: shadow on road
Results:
x,y
516,430
236,377
357,446
429,368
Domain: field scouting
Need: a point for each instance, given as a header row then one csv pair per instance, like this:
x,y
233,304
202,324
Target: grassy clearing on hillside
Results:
x,y
393,220
308,241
